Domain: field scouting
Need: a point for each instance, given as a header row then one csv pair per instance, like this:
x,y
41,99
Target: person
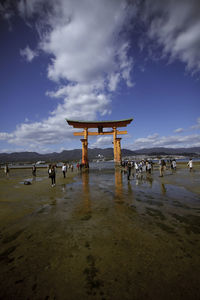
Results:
x,y
52,175
143,166
6,170
174,164
49,170
128,170
34,170
162,167
140,167
146,165
78,166
72,167
190,163
149,167
171,164
64,170
136,167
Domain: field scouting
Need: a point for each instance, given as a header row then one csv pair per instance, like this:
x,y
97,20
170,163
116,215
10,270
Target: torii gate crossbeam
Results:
x,y
100,125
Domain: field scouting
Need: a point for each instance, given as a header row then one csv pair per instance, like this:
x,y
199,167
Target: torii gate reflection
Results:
x,y
121,193
100,125
86,189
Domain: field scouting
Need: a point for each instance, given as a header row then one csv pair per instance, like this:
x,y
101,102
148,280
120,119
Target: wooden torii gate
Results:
x,y
100,125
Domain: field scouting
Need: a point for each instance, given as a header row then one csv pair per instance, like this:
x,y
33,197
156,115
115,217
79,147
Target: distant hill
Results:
x,y
170,151
65,155
75,154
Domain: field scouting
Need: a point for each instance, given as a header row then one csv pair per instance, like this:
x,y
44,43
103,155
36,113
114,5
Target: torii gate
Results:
x,y
85,125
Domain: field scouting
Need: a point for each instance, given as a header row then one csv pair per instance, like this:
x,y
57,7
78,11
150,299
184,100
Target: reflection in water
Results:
x,y
139,179
123,194
86,192
163,189
118,184
149,179
144,179
130,191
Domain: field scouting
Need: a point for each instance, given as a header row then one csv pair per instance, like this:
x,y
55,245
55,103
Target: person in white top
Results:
x,y
136,167
6,170
64,167
190,164
174,164
149,167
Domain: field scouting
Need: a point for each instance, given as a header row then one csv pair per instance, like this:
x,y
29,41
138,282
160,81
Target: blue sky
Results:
x,y
99,60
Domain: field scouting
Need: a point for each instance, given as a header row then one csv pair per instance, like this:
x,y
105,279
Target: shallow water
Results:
x,y
99,236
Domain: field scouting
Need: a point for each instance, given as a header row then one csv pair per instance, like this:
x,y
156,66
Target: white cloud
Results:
x,y
113,81
80,102
175,25
32,148
5,136
84,44
6,11
166,141
178,130
102,141
196,126
28,54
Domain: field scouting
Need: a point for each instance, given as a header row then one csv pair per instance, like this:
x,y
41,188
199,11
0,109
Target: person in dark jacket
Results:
x,y
34,170
52,175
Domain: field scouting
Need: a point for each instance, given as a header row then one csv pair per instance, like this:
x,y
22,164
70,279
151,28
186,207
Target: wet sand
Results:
x,y
97,236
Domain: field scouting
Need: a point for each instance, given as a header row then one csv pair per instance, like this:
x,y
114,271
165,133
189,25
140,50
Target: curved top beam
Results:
x,y
97,124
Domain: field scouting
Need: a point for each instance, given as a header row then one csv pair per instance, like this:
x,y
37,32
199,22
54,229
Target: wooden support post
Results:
x,y
84,152
86,133
118,146
86,192
118,183
115,143
84,141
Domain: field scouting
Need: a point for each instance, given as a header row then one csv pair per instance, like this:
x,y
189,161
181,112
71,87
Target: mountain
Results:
x,y
169,151
65,155
75,154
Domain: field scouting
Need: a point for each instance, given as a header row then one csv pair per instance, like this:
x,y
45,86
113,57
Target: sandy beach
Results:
x,y
97,236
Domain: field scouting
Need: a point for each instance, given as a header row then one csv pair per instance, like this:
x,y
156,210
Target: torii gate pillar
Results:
x,y
116,146
84,141
118,149
84,152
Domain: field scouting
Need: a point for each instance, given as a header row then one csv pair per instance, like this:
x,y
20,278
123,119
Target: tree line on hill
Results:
x,y
75,155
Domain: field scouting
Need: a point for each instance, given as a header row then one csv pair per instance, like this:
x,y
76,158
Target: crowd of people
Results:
x,y
148,165
138,166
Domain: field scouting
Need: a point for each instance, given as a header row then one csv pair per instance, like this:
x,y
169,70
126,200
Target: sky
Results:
x,y
99,60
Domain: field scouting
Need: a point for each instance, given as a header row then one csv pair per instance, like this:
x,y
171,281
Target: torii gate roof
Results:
x,y
96,124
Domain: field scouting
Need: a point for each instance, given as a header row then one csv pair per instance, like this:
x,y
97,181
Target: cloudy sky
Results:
x,y
99,60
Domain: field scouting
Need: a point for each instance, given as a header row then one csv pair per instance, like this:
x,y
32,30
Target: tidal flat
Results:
x,y
96,235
